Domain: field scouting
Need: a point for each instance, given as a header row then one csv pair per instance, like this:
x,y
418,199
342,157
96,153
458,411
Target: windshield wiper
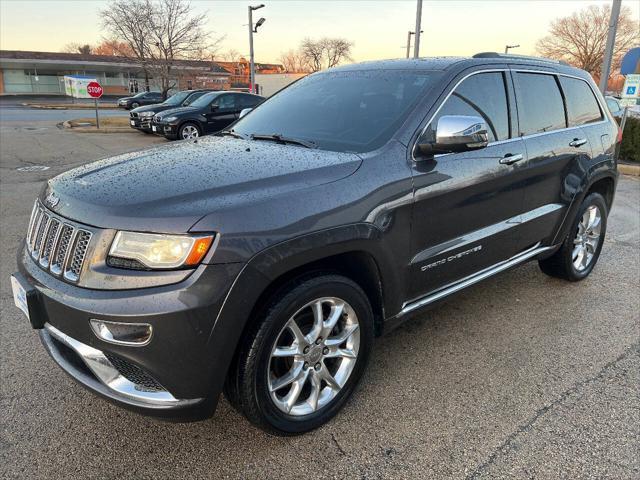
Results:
x,y
231,133
282,139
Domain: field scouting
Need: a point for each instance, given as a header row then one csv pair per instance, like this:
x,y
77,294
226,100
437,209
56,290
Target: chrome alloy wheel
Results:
x,y
587,239
189,131
313,356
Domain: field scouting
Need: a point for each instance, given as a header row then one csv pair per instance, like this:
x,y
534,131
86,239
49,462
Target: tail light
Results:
x,y
619,137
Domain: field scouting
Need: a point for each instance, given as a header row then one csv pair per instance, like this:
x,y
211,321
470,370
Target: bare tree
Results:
x,y
312,51
75,47
325,53
294,61
231,55
580,38
159,34
336,50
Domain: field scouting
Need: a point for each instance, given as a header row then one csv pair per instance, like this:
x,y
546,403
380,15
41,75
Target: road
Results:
x,y
12,111
522,376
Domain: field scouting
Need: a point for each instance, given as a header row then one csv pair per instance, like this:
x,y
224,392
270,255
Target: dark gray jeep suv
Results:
x,y
263,261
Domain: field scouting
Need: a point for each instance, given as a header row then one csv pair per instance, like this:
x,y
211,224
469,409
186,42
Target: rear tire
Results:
x,y
134,105
303,358
580,250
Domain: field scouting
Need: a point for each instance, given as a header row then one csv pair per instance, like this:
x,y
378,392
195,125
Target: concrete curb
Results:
x,y
68,126
627,169
74,106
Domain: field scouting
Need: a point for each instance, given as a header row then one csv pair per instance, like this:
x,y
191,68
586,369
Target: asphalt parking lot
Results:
x,y
522,376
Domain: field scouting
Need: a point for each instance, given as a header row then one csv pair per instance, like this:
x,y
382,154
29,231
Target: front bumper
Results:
x,y
137,123
176,375
166,129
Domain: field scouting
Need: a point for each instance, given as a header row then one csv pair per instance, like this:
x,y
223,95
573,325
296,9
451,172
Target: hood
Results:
x,y
169,188
157,107
177,111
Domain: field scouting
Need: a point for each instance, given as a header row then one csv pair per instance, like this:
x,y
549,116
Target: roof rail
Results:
x,y
522,57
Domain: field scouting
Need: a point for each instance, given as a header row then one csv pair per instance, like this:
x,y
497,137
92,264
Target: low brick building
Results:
x,y
23,72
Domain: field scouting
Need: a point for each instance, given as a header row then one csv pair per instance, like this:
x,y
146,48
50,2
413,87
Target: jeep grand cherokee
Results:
x,y
263,261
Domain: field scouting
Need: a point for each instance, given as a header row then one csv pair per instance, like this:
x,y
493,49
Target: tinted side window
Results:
x,y
249,101
540,105
582,106
481,95
226,102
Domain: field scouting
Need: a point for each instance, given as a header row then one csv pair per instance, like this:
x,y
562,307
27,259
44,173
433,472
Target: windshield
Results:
x,y
356,111
177,98
204,100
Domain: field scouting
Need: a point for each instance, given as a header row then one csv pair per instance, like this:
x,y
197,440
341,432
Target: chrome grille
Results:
x,y
56,244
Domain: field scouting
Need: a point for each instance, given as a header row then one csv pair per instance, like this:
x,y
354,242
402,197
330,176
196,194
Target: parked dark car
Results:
x,y
264,260
142,98
208,114
141,117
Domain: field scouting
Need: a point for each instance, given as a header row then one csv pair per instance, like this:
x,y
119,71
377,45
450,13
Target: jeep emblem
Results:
x,y
51,200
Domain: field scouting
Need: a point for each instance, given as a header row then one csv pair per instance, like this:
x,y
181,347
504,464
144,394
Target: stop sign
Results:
x,y
94,89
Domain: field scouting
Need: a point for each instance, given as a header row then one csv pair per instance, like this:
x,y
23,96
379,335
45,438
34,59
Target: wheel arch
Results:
x,y
355,251
189,120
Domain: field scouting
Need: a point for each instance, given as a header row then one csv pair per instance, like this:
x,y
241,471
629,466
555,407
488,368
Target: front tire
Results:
x,y
580,250
303,359
189,131
134,105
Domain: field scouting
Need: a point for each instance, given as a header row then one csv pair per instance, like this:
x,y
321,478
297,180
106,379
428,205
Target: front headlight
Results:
x,y
147,114
158,251
170,119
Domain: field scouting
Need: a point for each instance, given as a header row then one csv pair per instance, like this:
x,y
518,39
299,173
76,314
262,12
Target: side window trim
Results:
x,y
605,116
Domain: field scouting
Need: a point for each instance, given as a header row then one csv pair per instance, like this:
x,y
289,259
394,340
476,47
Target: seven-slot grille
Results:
x,y
56,244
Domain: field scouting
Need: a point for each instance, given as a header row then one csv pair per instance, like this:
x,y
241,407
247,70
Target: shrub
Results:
x,y
630,148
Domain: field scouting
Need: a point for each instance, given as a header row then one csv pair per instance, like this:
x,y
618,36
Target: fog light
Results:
x,y
136,334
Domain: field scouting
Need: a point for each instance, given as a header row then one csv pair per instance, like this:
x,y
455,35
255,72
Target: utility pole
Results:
x,y
416,46
252,66
611,40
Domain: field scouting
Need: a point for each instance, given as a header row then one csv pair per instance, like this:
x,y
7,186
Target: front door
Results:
x,y
467,206
224,111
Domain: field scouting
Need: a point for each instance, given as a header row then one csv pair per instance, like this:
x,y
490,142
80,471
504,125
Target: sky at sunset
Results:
x,y
378,28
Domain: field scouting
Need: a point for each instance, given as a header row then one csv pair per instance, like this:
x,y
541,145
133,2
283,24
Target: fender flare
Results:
x,y
596,173
269,264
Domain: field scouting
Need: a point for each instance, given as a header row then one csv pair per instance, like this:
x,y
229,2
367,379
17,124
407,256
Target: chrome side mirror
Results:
x,y
455,133
244,111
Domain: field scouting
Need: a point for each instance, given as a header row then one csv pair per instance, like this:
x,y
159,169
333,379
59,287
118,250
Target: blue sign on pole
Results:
x,y
631,62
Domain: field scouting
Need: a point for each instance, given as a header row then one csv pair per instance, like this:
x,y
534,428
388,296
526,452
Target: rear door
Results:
x,y
557,151
467,205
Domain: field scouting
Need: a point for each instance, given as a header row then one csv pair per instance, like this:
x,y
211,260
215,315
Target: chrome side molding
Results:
x,y
472,279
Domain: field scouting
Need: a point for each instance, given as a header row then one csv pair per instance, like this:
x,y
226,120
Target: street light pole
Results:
x,y
416,45
507,47
409,41
252,66
611,40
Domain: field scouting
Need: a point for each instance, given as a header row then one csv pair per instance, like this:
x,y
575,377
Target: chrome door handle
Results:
x,y
510,159
577,142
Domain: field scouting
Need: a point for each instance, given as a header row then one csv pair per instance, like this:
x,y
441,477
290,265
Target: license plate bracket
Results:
x,y
27,299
